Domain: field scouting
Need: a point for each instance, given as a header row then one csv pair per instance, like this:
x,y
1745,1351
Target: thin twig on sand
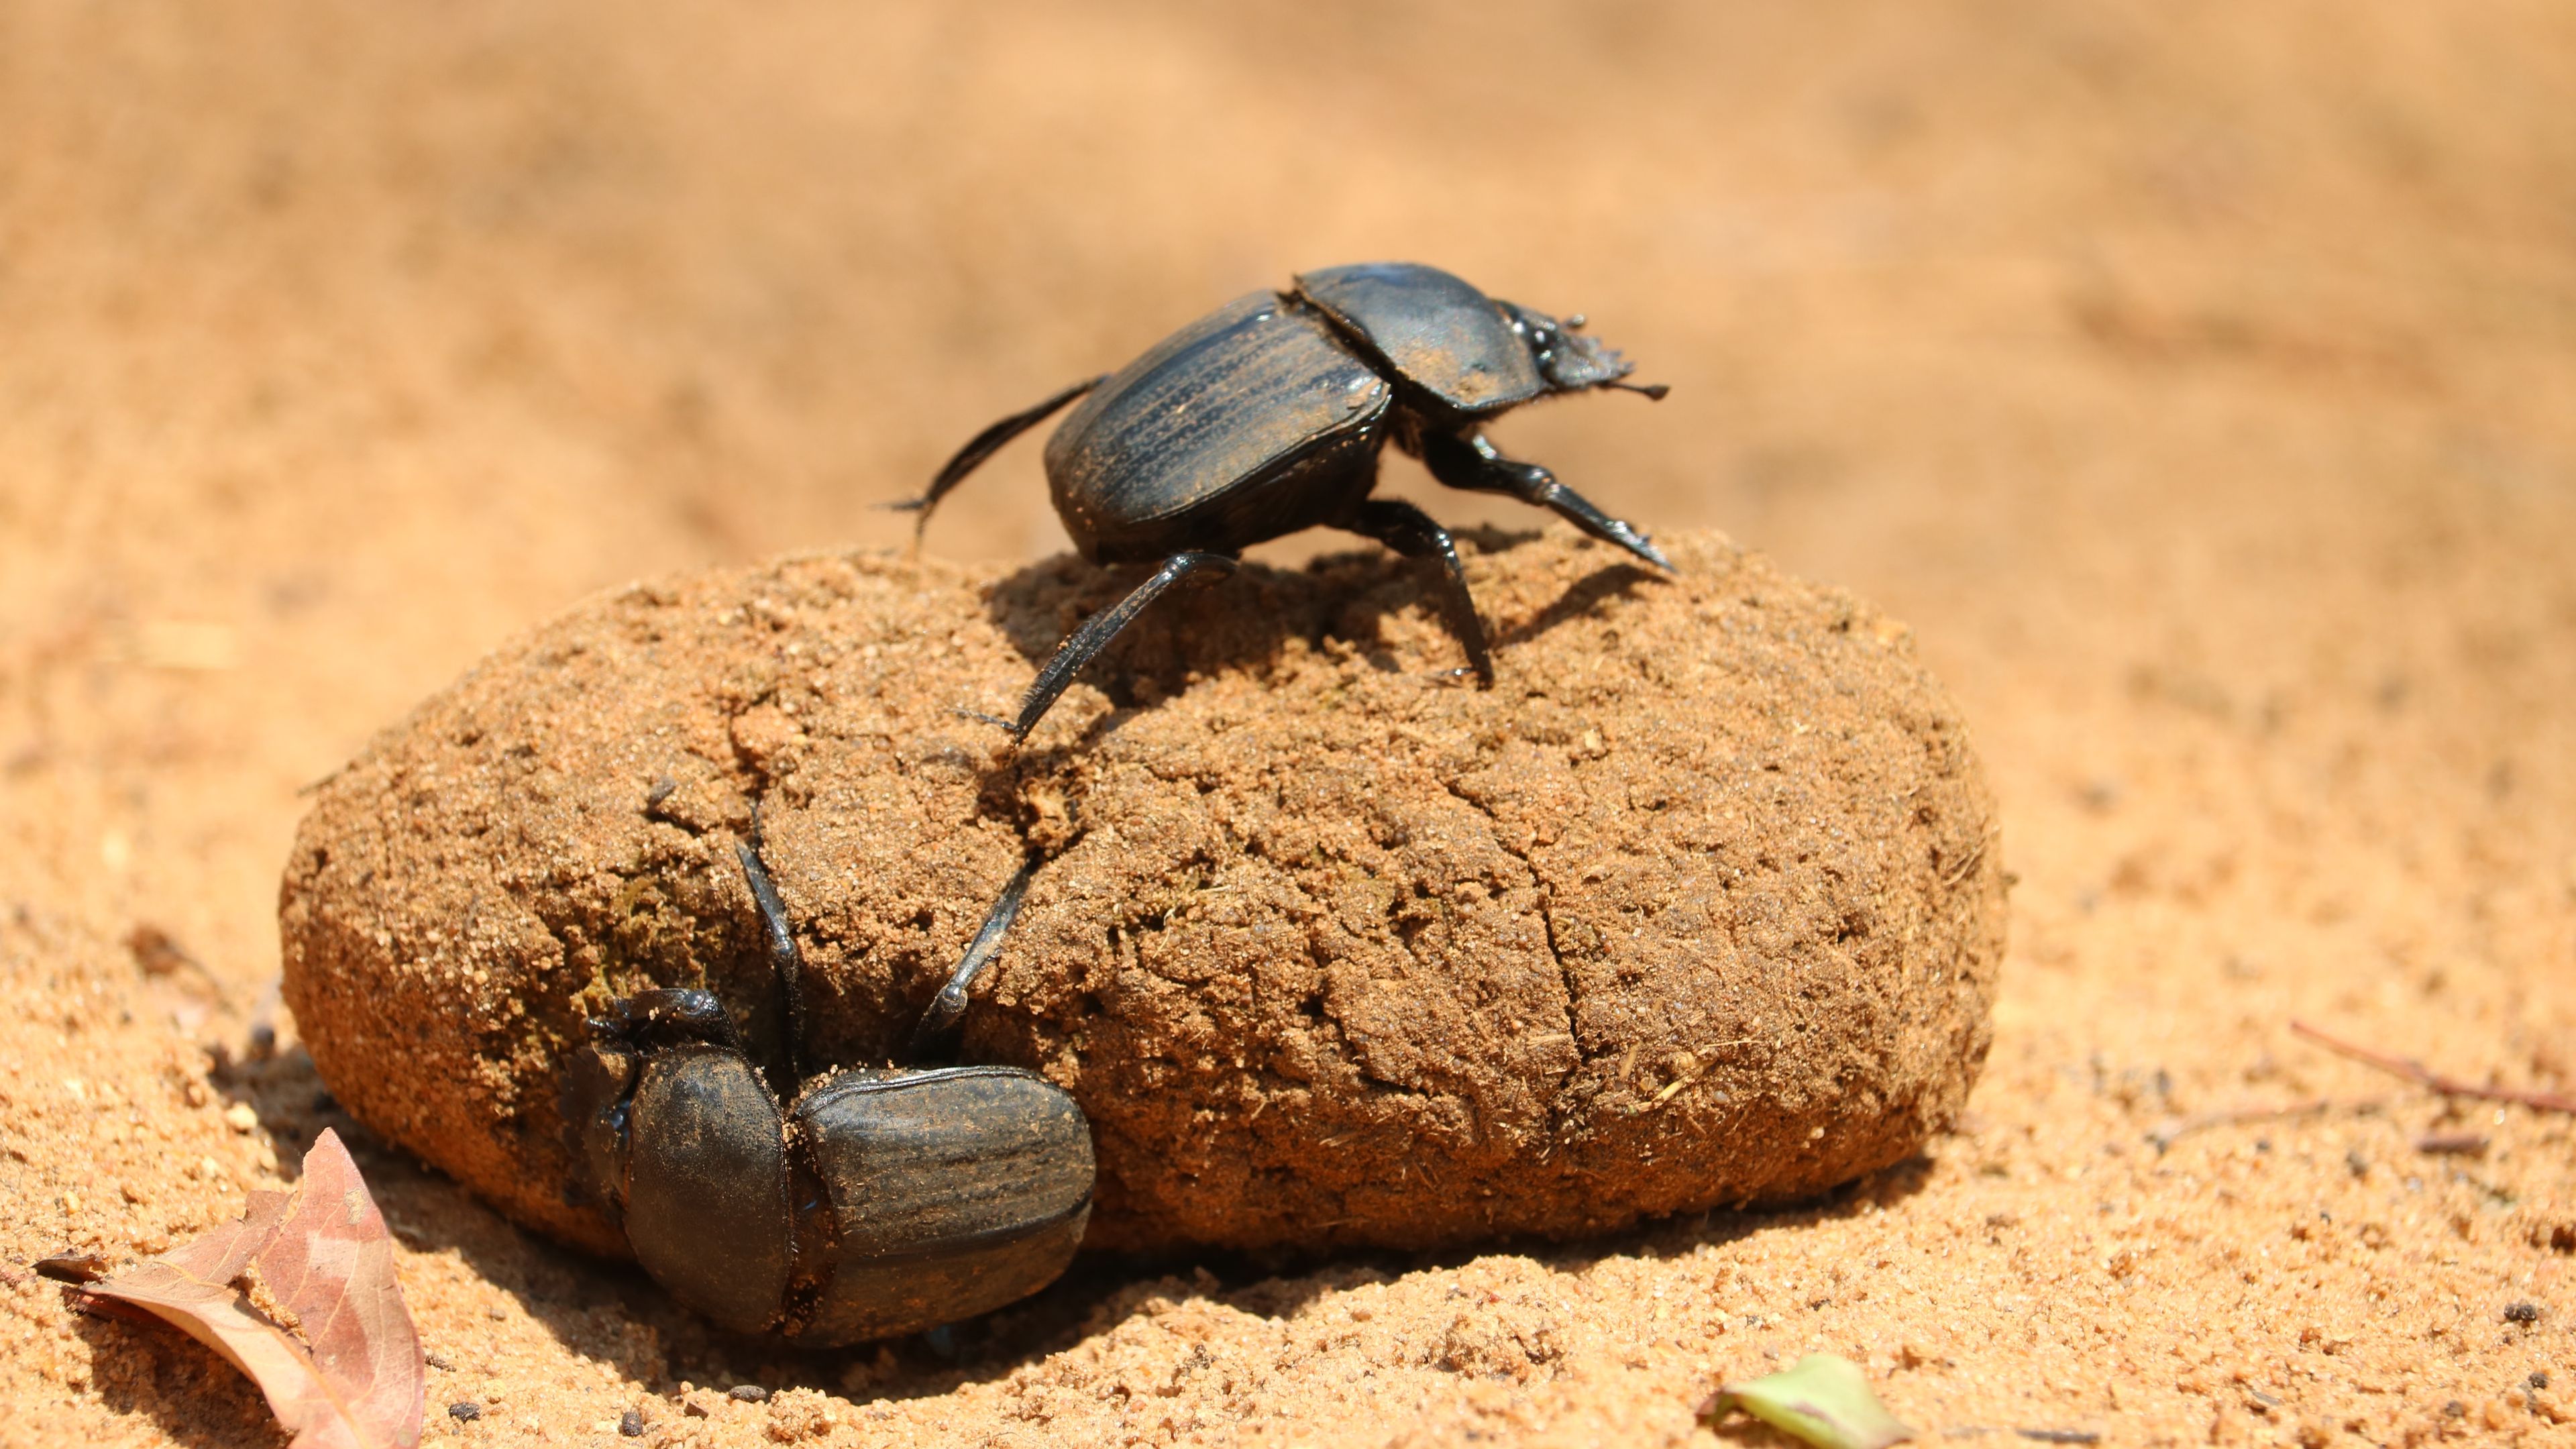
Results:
x,y
2167,1132
2423,1076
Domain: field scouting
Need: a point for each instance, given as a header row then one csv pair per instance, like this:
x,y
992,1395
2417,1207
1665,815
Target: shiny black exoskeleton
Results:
x,y
883,1201
1267,416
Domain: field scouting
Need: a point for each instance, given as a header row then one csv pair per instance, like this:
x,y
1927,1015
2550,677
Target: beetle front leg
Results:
x,y
1467,460
1415,534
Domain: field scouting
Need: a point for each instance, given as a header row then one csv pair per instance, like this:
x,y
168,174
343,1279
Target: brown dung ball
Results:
x,y
1700,905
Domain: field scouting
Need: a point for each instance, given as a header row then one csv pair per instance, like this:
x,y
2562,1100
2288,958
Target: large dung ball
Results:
x,y
1699,905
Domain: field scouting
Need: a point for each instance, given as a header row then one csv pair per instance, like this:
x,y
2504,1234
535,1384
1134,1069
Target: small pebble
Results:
x,y
465,1411
748,1393
240,1117
631,1424
436,1361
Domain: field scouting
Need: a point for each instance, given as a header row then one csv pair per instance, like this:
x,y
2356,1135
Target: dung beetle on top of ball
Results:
x,y
878,1201
1267,416
881,1201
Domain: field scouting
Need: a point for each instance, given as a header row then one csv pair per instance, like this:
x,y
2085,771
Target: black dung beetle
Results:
x,y
1267,416
883,1201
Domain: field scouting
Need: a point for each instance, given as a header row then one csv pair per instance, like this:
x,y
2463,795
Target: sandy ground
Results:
x,y
2194,379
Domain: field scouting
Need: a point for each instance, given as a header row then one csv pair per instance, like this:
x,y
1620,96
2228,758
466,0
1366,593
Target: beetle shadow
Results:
x,y
147,1368
1245,622
1611,581
1241,622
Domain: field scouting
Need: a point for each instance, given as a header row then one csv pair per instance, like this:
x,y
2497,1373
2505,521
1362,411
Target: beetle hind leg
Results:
x,y
982,446
940,1018
1467,460
1084,644
1413,533
785,960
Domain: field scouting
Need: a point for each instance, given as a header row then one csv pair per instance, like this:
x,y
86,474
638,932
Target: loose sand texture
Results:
x,y
2191,379
1700,907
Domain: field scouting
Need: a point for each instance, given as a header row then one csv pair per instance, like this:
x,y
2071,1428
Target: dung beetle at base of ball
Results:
x,y
1267,416
880,1201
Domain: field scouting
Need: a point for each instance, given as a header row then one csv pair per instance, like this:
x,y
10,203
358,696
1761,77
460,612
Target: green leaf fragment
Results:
x,y
1823,1399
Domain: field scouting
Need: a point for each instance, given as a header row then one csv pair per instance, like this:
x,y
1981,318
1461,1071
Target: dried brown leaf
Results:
x,y
353,1379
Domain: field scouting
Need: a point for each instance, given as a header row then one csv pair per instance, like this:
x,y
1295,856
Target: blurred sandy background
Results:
x,y
2199,380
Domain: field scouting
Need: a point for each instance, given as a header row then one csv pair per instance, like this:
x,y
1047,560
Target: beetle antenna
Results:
x,y
1653,390
950,1003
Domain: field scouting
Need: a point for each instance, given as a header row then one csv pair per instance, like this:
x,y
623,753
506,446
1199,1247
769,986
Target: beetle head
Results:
x,y
598,1092
1569,360
598,1088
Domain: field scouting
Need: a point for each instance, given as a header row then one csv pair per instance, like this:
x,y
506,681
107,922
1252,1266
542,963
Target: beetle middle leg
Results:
x,y
1415,534
1468,460
1084,644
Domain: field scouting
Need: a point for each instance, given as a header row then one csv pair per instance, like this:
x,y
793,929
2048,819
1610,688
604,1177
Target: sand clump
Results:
x,y
1700,906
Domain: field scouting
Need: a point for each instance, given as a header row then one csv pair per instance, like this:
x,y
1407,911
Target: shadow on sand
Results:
x,y
610,1312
